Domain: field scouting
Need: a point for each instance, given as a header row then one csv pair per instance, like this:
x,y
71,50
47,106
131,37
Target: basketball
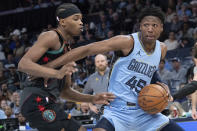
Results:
x,y
153,98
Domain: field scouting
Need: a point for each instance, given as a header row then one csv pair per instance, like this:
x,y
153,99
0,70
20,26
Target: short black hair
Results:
x,y
152,11
64,7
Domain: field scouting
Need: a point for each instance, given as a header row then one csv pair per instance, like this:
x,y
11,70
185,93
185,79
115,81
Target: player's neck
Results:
x,y
147,45
64,34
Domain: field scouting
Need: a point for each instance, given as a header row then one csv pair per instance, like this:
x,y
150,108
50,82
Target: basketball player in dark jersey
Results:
x,y
38,102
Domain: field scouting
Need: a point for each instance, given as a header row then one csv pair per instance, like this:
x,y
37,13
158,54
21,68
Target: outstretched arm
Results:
x,y
122,43
186,90
70,94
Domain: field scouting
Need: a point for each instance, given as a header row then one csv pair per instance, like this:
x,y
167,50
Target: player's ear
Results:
x,y
62,22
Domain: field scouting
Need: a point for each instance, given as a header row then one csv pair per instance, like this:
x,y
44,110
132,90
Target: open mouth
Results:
x,y
151,37
81,29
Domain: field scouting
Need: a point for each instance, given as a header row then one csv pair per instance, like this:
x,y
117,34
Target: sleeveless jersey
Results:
x,y
54,86
131,73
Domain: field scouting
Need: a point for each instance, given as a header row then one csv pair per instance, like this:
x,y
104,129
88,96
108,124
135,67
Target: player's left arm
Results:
x,y
69,94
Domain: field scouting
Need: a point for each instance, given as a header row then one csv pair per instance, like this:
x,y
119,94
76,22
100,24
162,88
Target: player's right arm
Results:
x,y
28,62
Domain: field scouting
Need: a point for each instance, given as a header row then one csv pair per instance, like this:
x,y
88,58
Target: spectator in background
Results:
x,y
94,6
110,13
91,36
185,43
19,50
6,93
169,15
2,114
8,112
2,54
10,61
138,5
186,31
103,19
187,20
3,105
195,35
102,31
175,25
178,74
71,108
15,103
14,38
184,10
116,24
176,110
82,78
2,76
80,42
178,5
193,18
13,79
163,73
109,4
171,42
97,82
23,125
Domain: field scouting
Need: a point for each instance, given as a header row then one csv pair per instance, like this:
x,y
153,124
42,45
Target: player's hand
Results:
x,y
94,108
67,69
167,89
194,114
103,98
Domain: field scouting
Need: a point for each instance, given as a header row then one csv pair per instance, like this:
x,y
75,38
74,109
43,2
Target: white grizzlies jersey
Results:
x,y
131,73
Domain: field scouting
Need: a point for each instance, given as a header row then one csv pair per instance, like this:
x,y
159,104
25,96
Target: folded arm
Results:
x,y
28,62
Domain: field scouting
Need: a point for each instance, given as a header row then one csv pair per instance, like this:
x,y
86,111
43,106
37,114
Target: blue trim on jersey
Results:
x,y
56,51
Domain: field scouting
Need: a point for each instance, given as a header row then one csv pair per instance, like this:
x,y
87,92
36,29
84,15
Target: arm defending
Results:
x,y
186,90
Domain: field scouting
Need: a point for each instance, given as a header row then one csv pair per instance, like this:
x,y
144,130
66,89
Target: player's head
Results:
x,y
151,23
70,18
101,62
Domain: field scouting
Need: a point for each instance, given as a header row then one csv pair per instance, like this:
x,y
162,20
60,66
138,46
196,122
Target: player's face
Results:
x,y
151,28
100,63
73,24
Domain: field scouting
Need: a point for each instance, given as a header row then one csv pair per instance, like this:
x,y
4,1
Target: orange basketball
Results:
x,y
153,98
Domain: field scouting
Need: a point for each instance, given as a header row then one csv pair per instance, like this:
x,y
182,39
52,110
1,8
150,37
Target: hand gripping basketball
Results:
x,y
167,90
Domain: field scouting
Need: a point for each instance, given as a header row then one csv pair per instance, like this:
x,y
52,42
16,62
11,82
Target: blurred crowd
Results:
x,y
108,18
